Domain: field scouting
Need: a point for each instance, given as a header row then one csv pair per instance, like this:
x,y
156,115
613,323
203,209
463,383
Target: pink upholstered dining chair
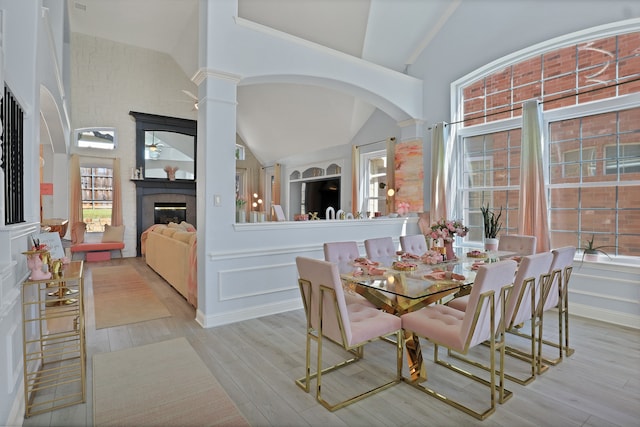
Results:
x,y
557,296
460,331
518,243
343,254
414,244
380,248
351,326
522,306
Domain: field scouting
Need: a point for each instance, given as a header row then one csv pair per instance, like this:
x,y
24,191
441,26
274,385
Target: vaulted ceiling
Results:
x,y
273,119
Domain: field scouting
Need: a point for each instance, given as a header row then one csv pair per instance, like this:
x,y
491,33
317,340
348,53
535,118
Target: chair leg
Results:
x,y
359,351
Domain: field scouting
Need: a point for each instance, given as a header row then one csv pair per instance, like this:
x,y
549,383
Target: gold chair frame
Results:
x,y
534,355
496,343
356,350
562,345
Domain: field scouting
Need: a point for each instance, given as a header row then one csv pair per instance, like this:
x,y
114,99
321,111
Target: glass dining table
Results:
x,y
399,286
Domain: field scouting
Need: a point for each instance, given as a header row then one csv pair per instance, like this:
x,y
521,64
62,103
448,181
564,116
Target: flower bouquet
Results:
x,y
432,257
447,229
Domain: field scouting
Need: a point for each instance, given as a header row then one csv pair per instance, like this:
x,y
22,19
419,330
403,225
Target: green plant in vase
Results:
x,y
241,214
492,226
590,251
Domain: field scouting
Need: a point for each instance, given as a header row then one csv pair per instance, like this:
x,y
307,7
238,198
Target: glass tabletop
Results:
x,y
423,281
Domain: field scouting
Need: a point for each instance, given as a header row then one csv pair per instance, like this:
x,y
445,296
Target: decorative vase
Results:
x,y
241,216
491,244
591,256
448,246
34,263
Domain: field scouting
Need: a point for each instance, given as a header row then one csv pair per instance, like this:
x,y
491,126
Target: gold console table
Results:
x,y
54,341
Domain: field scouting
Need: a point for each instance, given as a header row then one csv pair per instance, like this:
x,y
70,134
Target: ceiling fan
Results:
x,y
154,146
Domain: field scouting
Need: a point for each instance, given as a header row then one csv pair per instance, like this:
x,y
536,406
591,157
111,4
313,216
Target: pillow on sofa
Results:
x,y
183,236
169,232
113,233
176,226
188,226
77,232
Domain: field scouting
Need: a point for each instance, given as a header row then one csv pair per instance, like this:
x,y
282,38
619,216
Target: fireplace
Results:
x,y
168,193
166,212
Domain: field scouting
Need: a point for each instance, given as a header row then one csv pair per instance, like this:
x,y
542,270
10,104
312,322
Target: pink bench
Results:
x,y
96,251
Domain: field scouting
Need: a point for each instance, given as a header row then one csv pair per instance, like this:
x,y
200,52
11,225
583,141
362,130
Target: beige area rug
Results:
x,y
161,384
121,296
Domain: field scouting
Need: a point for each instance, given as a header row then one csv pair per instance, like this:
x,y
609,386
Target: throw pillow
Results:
x,y
113,233
188,226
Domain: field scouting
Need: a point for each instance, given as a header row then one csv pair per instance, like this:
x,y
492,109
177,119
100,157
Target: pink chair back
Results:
x,y
341,252
319,272
414,244
490,277
379,248
562,258
519,303
518,243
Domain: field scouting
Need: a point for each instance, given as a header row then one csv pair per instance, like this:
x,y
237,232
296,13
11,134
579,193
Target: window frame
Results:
x,y
615,104
366,176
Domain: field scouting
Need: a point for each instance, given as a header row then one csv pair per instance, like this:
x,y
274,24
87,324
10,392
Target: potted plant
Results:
x,y
241,213
590,251
492,226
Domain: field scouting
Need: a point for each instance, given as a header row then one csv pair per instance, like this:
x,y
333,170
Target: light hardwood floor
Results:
x,y
257,361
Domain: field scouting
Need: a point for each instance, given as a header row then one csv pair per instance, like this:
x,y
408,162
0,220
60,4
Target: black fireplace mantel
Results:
x,y
147,187
165,184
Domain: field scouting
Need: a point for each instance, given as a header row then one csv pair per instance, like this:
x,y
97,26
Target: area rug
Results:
x,y
160,384
121,296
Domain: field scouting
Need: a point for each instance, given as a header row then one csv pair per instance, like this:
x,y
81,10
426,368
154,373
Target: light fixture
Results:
x,y
390,193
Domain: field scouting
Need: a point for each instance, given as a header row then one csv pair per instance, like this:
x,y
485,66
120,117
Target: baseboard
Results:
x,y
248,313
608,316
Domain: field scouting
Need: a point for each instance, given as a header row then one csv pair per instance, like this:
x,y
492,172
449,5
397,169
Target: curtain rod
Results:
x,y
393,138
541,102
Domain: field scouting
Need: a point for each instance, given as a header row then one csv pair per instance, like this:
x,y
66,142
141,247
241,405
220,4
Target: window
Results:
x,y
577,163
628,161
100,138
97,197
490,176
591,103
375,182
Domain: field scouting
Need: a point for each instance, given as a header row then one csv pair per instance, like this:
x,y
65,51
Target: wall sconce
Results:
x,y
390,205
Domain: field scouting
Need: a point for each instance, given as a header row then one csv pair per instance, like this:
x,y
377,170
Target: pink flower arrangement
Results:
x,y
403,208
432,257
447,229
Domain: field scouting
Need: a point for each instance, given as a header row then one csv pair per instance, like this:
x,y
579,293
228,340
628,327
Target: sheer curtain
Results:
x,y
116,206
75,191
533,213
438,207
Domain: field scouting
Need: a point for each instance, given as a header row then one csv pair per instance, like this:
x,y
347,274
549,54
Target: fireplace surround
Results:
x,y
148,193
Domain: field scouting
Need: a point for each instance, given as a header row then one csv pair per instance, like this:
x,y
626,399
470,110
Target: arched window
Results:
x,y
589,87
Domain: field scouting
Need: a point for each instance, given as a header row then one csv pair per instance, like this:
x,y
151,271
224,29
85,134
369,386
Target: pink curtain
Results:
x,y
75,191
532,210
116,209
438,209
